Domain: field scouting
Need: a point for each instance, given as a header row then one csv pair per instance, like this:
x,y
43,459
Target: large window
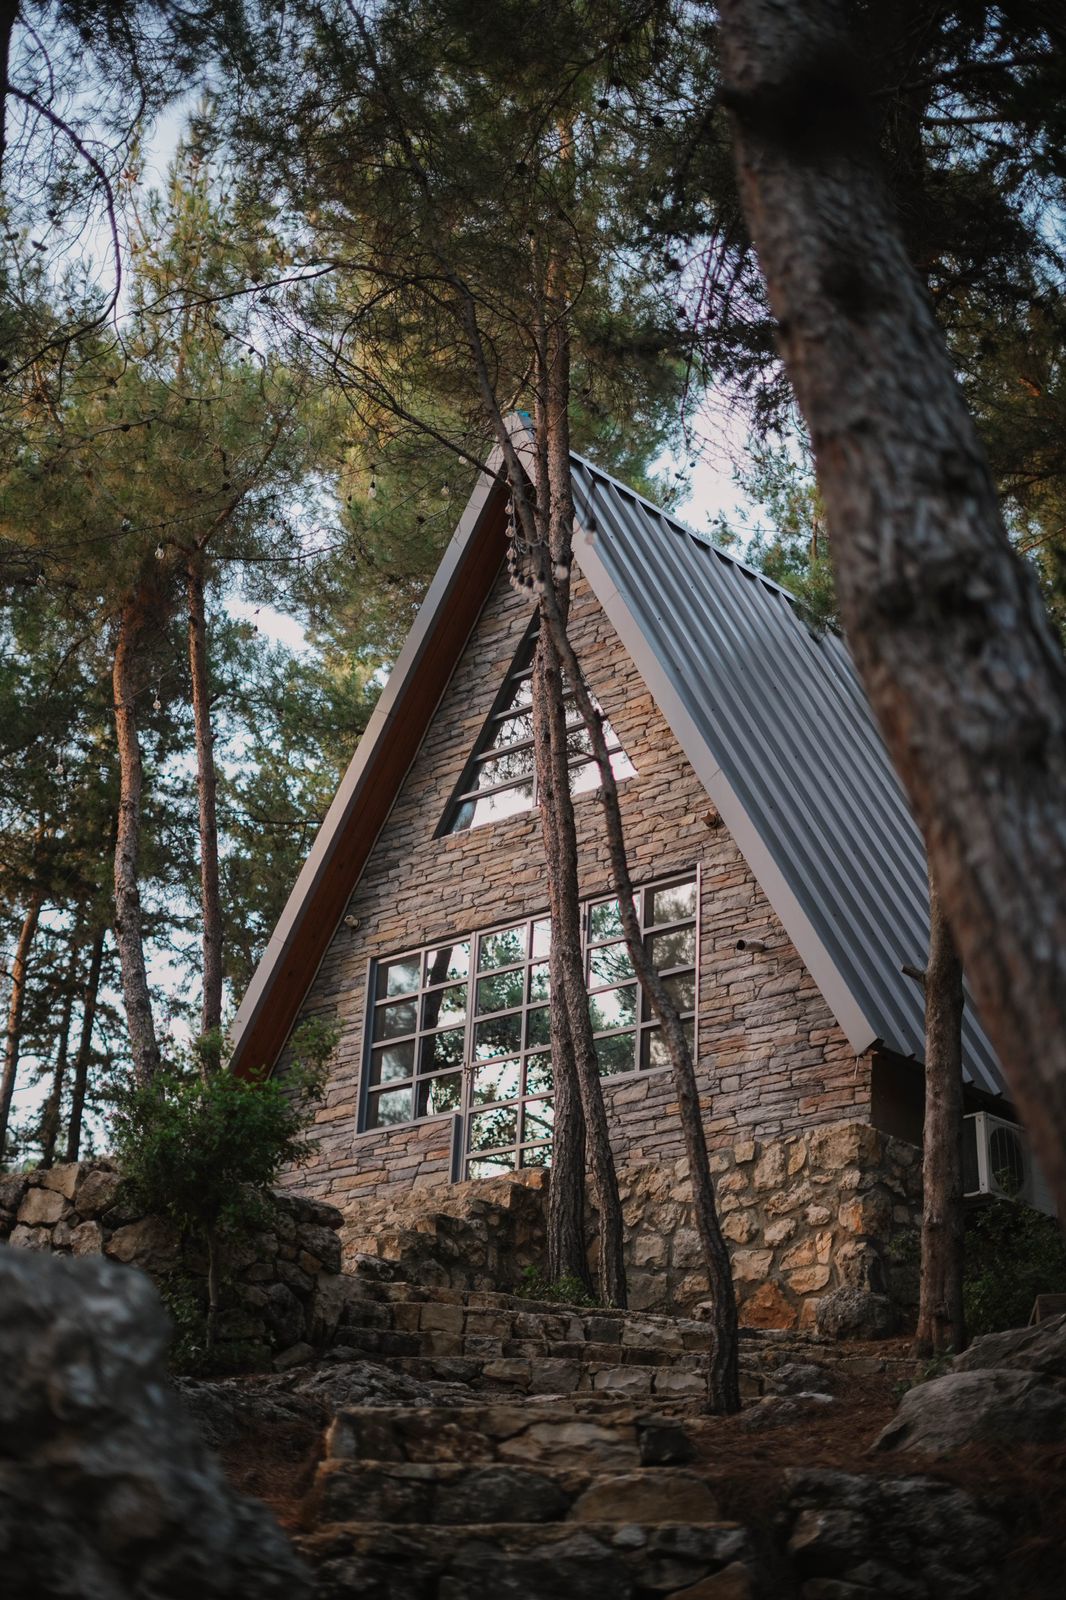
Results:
x,y
499,779
464,1027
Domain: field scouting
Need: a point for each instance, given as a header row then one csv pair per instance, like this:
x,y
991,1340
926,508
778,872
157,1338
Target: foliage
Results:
x,y
567,1291
1013,1253
199,1145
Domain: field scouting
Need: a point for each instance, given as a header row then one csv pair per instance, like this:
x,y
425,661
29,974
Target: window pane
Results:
x,y
494,807
440,1051
578,743
653,1051
490,1166
538,1155
501,992
449,962
614,1008
539,1079
463,818
388,1107
673,903
538,1027
502,1036
682,990
621,765
394,1061
677,949
609,963
497,1082
397,977
444,1005
584,779
512,730
389,1021
503,949
605,921
503,768
616,1054
490,1128
536,1120
523,693
542,933
440,1094
539,982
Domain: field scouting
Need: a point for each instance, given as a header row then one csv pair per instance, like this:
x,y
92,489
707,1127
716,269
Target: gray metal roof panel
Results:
x,y
778,727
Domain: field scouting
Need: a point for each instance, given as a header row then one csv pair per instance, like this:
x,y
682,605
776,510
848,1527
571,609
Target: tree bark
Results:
x,y
53,1105
16,1001
940,1316
85,1043
206,786
9,10
962,667
129,930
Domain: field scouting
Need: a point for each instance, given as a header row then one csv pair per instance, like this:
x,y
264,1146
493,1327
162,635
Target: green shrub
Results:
x,y
201,1147
1013,1253
568,1291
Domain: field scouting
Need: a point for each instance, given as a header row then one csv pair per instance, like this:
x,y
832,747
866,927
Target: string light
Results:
x,y
157,704
444,490
160,553
373,490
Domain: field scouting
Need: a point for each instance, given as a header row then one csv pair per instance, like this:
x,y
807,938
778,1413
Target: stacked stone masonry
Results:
x,y
773,1058
273,1279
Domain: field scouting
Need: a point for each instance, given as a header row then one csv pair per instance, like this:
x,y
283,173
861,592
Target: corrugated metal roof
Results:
x,y
779,730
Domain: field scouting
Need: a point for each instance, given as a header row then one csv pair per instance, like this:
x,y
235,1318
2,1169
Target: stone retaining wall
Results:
x,y
804,1214
277,1280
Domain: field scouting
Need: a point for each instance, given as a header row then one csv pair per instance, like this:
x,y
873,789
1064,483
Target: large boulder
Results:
x,y
850,1313
912,1538
1039,1349
996,1407
106,1488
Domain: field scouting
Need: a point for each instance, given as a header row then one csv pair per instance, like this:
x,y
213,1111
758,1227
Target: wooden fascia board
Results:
x,y
369,787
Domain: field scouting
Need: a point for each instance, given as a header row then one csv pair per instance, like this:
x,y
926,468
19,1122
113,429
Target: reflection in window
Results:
x,y
499,780
465,1027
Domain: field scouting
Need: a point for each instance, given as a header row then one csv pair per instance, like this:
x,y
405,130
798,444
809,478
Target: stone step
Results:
x,y
614,1439
625,1560
369,1341
459,1492
525,1375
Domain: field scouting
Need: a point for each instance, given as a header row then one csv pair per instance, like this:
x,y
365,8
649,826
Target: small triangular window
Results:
x,y
499,779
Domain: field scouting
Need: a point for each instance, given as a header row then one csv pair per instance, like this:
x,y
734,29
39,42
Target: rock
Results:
x,y
321,1243
915,1538
844,1144
42,1206
799,1377
297,1355
284,1316
849,1313
106,1488
24,1238
999,1407
768,1307
732,1583
63,1179
151,1244
13,1186
1039,1349
663,1442
775,1410
87,1239
662,1495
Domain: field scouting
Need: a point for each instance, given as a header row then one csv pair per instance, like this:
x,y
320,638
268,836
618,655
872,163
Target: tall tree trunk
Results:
x,y
54,1104
85,1046
940,1318
16,1001
129,931
206,787
948,631
9,10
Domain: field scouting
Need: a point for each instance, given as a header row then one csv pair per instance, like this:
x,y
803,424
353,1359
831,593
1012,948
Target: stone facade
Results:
x,y
774,1059
276,1291
804,1215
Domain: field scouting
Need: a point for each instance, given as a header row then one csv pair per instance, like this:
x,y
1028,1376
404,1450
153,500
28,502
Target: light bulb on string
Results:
x,y
373,490
157,704
160,553
444,490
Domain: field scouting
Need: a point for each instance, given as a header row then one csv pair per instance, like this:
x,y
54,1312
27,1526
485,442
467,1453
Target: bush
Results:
x,y
200,1146
1013,1253
568,1291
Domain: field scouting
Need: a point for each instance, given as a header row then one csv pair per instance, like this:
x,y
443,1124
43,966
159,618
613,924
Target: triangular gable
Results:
x,y
775,725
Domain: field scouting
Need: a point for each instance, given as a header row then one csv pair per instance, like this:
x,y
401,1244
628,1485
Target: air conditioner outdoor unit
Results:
x,y
996,1159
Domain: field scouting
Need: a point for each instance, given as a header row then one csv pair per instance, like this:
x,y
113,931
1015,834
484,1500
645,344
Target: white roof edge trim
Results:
x,y
858,1029
348,792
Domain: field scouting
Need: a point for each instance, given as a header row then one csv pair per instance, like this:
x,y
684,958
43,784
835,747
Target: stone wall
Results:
x,y
780,1061
804,1215
277,1299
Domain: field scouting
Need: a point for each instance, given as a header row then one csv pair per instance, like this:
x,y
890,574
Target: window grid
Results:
x,y
500,779
463,1027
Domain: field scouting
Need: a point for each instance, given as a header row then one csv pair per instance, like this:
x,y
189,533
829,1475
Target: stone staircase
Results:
x,y
529,1501
504,1344
571,1469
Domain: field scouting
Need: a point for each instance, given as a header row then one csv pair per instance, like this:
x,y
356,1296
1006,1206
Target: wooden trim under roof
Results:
x,y
372,782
